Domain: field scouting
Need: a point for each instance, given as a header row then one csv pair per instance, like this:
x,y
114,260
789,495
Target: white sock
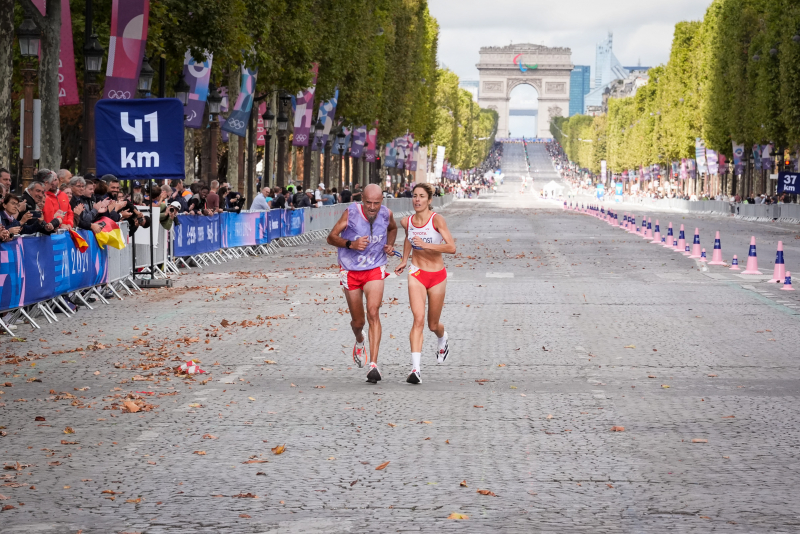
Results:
x,y
443,341
415,358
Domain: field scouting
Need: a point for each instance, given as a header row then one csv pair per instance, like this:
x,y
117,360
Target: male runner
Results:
x,y
364,234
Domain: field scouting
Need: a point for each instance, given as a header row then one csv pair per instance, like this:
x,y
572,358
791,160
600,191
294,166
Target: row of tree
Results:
x,y
380,54
733,77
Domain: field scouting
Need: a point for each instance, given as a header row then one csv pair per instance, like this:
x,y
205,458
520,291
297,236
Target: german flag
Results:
x,y
110,235
79,242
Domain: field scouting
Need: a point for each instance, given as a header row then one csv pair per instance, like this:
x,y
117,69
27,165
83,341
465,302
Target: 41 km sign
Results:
x,y
789,182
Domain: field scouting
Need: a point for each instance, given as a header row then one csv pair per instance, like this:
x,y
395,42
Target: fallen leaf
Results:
x,y
428,422
630,346
209,436
456,515
67,487
713,376
501,365
476,406
245,496
130,407
39,418
382,466
269,362
618,429
3,497
392,425
698,440
199,453
549,416
69,430
664,386
256,462
319,387
65,442
224,323
609,485
279,449
486,492
728,416
135,501
447,441
251,398
463,484
353,483
8,507
245,516
111,492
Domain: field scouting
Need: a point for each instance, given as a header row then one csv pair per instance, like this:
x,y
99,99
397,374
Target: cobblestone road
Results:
x,y
561,326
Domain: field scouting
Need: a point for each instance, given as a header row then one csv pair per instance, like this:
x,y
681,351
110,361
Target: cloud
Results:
x,y
642,30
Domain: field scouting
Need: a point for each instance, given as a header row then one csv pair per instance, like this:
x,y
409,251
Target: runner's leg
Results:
x,y
435,305
355,301
374,292
416,297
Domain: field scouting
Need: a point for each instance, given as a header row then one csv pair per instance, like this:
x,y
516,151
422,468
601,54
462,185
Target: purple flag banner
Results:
x,y
359,138
239,117
129,22
223,108
412,162
303,107
390,155
67,83
700,155
372,143
327,112
766,158
713,161
197,74
738,154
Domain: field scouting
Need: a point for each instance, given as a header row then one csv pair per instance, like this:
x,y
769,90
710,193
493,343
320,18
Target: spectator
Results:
x,y
100,189
178,195
335,195
346,195
278,199
234,202
357,193
318,194
260,203
212,198
9,215
303,200
52,207
33,202
5,179
82,206
328,198
194,204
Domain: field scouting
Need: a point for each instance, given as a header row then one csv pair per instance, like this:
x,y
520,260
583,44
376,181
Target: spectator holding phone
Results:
x,y
52,206
8,216
32,202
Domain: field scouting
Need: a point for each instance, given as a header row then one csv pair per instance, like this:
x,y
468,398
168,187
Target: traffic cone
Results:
x,y
681,240
631,224
618,221
703,256
752,259
656,234
625,218
674,243
696,244
716,256
687,252
735,263
670,237
787,282
780,269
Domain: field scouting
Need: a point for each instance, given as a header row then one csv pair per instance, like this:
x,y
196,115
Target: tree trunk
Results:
x,y
6,69
50,24
232,175
188,154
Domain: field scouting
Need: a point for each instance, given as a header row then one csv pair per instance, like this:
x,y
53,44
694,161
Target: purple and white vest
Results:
x,y
358,226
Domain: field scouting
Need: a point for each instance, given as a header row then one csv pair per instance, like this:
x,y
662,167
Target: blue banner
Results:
x,y
274,220
789,182
37,268
294,223
618,191
238,229
140,139
197,234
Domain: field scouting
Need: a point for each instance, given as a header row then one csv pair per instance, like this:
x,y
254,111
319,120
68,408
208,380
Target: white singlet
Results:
x,y
427,232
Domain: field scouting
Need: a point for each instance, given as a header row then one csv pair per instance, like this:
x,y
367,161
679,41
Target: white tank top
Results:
x,y
426,232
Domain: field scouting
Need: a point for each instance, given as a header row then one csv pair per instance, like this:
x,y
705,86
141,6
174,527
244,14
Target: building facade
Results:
x,y
579,86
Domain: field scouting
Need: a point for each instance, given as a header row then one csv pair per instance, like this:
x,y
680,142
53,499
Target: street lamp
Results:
x,y
145,78
93,62
29,37
268,118
214,102
283,124
182,90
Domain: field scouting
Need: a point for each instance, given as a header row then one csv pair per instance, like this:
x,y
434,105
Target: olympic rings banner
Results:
x,y
303,107
237,120
37,268
129,22
200,234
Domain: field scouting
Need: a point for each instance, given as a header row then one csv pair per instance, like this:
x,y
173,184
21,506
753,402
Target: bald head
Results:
x,y
371,201
372,193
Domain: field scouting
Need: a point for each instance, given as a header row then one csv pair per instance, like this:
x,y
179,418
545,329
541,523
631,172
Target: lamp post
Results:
x,y
214,102
268,119
93,62
340,140
283,124
320,128
29,37
182,90
145,78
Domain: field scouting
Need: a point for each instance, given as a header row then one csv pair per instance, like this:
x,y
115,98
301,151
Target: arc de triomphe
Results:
x,y
502,68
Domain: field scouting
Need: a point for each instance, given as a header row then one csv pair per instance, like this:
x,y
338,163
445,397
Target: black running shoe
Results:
x,y
373,376
413,377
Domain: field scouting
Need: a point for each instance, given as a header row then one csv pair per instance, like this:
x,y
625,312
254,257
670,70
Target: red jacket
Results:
x,y
53,203
63,204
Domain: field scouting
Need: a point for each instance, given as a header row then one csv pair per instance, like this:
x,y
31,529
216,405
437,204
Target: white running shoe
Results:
x,y
441,354
413,377
373,376
360,353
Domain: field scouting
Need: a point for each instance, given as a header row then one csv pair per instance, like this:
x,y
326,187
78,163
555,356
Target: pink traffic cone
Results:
x,y
716,256
787,282
735,263
752,259
703,256
681,240
670,237
656,234
687,252
780,269
648,234
696,244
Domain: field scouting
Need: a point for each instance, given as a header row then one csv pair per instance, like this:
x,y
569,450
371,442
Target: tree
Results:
x,y
6,74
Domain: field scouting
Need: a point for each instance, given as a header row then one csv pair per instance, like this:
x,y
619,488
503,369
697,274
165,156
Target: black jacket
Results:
x,y
34,225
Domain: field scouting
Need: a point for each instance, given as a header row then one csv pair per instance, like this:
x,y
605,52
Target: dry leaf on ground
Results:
x,y
698,440
456,515
618,429
486,492
463,484
199,453
382,466
279,449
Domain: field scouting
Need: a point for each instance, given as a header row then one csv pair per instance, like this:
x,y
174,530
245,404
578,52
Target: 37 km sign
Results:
x,y
789,182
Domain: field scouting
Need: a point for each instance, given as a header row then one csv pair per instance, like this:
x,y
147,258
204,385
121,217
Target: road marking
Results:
x,y
499,275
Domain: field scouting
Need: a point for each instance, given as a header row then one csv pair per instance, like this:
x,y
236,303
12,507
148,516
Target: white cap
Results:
x,y
175,204
321,186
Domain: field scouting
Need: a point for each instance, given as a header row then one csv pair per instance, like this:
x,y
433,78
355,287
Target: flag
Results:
x,y
67,83
129,21
700,155
79,242
303,107
240,116
327,112
372,143
197,75
110,235
738,154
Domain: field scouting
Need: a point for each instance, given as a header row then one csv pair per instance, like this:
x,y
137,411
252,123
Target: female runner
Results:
x,y
427,234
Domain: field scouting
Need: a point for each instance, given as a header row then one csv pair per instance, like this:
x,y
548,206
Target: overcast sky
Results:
x,y
642,28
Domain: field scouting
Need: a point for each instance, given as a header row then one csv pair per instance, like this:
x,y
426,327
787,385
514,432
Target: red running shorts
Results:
x,y
353,280
429,278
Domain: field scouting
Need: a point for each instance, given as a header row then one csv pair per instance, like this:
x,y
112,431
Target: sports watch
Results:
x,y
347,243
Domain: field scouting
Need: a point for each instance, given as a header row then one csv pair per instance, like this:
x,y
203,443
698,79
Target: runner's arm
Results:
x,y
406,250
449,245
334,238
391,234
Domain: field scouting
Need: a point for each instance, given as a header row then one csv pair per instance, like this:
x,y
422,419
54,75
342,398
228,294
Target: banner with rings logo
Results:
x,y
237,120
129,22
